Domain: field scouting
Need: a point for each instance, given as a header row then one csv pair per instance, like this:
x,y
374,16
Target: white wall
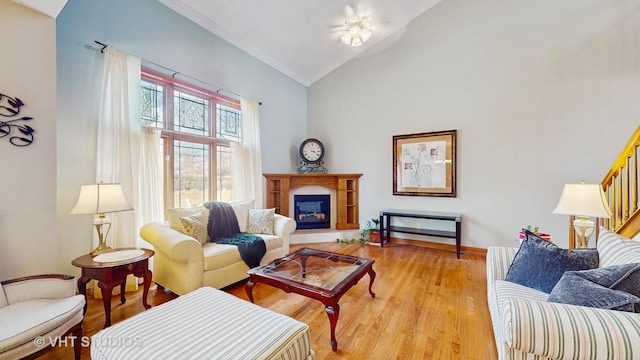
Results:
x,y
151,31
28,236
542,92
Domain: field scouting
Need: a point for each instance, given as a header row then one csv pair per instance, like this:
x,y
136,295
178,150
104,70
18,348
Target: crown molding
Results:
x,y
50,8
225,34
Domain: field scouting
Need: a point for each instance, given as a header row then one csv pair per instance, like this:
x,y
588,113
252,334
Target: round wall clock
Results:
x,y
311,154
312,151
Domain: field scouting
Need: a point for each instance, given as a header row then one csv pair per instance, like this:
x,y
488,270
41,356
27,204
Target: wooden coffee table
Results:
x,y
320,275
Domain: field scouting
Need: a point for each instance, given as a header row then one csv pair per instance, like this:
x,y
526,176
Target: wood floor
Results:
x,y
428,305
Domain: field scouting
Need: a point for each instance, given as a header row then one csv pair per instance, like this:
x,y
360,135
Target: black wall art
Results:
x,y
11,123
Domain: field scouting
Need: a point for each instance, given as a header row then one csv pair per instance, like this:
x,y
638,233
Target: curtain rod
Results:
x,y
174,73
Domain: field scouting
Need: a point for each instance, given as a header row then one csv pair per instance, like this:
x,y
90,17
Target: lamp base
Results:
x,y
584,228
99,223
583,242
101,249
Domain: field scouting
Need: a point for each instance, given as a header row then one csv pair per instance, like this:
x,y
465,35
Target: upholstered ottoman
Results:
x,y
205,324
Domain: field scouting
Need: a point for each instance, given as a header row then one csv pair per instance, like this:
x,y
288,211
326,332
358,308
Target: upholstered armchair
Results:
x,y
38,311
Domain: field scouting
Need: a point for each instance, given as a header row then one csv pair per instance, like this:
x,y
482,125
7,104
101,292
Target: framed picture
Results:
x,y
425,164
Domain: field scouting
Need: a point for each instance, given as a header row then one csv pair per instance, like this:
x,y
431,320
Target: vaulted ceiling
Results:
x,y
301,38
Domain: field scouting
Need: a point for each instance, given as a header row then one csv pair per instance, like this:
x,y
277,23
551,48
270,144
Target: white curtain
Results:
x,y
246,160
151,186
118,145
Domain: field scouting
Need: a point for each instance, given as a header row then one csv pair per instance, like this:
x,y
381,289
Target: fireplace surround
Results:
x,y
346,194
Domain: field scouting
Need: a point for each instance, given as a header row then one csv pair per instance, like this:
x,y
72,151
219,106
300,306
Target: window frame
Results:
x,y
170,136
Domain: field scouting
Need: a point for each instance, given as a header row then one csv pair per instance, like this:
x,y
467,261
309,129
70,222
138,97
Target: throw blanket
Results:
x,y
223,229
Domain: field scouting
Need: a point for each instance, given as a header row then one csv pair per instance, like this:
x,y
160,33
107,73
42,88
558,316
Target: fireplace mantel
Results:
x,y
346,186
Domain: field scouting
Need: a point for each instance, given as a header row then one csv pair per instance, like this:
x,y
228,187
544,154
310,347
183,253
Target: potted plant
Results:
x,y
371,231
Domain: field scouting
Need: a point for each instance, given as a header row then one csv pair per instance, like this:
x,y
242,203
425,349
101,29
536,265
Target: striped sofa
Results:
x,y
205,324
526,326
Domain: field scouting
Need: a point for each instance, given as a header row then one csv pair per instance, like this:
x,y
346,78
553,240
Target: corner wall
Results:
x,y
28,228
542,93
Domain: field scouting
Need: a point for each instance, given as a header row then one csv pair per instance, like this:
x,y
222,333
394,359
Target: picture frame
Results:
x,y
424,164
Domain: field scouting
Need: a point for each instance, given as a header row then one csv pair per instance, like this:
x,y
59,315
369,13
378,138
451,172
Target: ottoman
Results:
x,y
205,324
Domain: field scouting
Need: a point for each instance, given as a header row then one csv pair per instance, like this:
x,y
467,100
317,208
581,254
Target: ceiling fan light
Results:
x,y
357,30
365,34
346,38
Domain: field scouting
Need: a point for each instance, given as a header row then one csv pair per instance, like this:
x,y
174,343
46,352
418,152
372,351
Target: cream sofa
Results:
x,y
182,264
526,326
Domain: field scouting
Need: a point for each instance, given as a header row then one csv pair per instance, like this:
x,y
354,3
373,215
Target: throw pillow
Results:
x,y
539,264
615,249
241,208
614,287
261,221
173,216
195,227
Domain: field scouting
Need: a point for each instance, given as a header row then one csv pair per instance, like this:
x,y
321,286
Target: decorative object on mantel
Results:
x,y
100,199
425,164
311,154
583,201
11,110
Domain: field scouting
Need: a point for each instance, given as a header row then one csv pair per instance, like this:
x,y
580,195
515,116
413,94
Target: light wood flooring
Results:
x,y
428,305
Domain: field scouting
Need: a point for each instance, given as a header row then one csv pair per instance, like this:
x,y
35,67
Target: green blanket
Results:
x,y
223,229
251,247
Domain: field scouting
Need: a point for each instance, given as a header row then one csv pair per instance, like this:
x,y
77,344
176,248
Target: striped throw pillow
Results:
x,y
615,249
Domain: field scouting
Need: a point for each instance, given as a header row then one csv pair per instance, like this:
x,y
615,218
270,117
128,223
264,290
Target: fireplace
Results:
x,y
312,211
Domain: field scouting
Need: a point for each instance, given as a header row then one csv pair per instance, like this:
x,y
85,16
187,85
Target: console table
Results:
x,y
386,227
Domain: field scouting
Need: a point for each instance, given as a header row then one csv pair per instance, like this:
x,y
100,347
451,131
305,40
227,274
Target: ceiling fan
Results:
x,y
357,27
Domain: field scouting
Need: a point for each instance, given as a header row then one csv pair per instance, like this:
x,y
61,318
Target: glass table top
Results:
x,y
315,268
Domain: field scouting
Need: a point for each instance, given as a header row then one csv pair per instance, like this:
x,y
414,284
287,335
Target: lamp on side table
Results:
x,y
583,201
100,199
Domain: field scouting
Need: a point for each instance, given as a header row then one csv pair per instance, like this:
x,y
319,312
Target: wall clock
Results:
x,y
311,154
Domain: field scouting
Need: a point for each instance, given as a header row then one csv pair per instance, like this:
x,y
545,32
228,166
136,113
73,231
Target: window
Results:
x,y
198,127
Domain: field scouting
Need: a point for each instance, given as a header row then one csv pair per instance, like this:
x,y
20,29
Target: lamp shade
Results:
x,y
583,200
101,198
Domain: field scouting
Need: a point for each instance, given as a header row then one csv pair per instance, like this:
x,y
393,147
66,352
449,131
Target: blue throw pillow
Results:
x,y
539,264
614,287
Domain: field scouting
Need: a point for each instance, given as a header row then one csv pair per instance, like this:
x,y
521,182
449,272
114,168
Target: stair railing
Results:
x,y
620,186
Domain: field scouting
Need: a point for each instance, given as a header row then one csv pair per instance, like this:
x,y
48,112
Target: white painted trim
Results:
x,y
225,34
50,8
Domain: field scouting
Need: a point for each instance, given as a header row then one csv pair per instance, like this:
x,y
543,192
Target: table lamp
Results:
x,y
100,199
583,201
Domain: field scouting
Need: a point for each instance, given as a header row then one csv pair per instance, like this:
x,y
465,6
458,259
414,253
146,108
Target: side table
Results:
x,y
113,273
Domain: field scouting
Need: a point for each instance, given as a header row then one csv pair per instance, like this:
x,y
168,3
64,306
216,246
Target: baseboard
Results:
x,y
330,235
322,236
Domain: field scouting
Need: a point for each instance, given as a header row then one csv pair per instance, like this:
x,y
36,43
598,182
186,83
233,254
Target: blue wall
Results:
x,y
153,32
